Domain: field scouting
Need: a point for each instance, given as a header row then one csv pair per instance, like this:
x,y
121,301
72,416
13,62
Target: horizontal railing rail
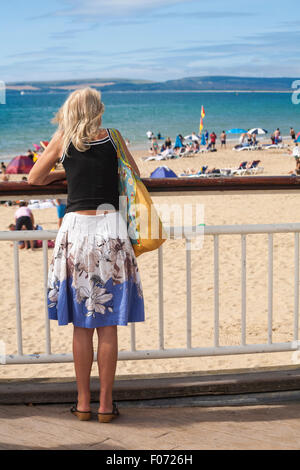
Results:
x,y
188,351
12,189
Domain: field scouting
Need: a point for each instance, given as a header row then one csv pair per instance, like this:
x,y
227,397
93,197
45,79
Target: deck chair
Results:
x,y
241,170
253,169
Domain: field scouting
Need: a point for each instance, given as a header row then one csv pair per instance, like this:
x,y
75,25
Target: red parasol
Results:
x,y
21,164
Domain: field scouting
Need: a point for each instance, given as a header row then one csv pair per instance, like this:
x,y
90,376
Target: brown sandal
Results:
x,y
81,415
107,417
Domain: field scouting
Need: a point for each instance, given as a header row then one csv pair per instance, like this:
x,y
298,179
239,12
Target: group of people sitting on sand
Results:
x,y
182,146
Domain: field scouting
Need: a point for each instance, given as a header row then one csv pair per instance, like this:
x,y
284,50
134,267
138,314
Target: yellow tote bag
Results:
x,y
144,226
152,234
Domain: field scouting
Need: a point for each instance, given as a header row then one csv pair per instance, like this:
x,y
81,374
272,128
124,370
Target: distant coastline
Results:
x,y
66,89
207,84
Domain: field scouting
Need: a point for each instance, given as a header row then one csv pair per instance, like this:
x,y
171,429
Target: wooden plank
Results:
x,y
166,185
145,388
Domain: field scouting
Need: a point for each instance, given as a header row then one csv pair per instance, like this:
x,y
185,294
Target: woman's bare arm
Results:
x,y
129,156
40,172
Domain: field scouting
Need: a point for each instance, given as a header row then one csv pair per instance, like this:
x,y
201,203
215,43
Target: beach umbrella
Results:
x,y
298,138
258,130
236,131
192,137
178,142
163,172
21,164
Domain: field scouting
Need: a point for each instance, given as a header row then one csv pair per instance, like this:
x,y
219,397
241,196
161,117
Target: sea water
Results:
x,y
25,119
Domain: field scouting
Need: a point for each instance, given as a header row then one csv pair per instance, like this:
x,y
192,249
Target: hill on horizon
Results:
x,y
205,83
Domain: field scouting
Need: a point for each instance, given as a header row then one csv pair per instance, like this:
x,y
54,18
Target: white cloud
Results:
x,y
98,8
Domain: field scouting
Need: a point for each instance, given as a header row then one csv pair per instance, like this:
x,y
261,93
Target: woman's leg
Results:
x,y
107,363
83,359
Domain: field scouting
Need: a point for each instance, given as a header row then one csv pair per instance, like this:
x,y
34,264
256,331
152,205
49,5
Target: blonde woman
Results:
x,y
93,279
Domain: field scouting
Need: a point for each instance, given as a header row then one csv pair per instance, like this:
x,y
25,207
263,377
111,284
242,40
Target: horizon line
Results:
x,y
145,81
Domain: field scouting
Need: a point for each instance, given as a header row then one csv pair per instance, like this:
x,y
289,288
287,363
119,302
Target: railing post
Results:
x,y
18,298
296,288
243,240
160,298
47,321
216,290
270,287
132,337
188,295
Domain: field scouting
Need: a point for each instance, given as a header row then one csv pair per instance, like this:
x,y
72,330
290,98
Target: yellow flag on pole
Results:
x,y
201,119
201,125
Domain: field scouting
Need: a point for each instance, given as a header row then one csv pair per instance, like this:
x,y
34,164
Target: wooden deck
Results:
x,y
43,427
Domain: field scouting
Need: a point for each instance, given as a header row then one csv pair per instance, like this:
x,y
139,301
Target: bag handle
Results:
x,y
121,153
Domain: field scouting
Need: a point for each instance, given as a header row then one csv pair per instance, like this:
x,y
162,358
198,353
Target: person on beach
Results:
x,y
277,136
292,134
195,147
242,138
154,149
21,243
93,280
150,135
24,217
295,152
61,210
168,142
213,138
30,154
181,139
223,139
3,167
12,227
296,172
249,138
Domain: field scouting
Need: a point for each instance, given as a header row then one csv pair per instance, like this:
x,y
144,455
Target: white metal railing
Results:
x,y
161,351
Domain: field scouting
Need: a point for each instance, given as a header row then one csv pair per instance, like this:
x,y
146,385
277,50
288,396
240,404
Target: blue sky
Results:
x,y
148,39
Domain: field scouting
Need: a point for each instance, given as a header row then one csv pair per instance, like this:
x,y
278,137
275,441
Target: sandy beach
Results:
x,y
219,209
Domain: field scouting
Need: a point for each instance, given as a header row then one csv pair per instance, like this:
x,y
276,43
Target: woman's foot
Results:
x,y
83,406
106,417
83,402
81,415
105,409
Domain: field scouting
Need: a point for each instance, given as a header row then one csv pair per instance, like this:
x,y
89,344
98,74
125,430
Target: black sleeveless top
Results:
x,y
92,176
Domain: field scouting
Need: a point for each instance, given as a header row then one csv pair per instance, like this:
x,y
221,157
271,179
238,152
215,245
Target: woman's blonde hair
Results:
x,y
79,118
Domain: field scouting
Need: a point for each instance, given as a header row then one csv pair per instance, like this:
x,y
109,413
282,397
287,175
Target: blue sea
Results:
x,y
25,118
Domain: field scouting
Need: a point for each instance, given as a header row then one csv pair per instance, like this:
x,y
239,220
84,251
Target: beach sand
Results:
x,y
221,209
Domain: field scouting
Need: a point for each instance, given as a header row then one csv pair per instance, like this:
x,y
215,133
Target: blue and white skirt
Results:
x,y
93,277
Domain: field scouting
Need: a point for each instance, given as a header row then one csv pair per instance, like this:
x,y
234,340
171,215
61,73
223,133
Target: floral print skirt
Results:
x,y
93,277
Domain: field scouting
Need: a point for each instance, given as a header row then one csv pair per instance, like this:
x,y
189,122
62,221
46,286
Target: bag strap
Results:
x,y
121,151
